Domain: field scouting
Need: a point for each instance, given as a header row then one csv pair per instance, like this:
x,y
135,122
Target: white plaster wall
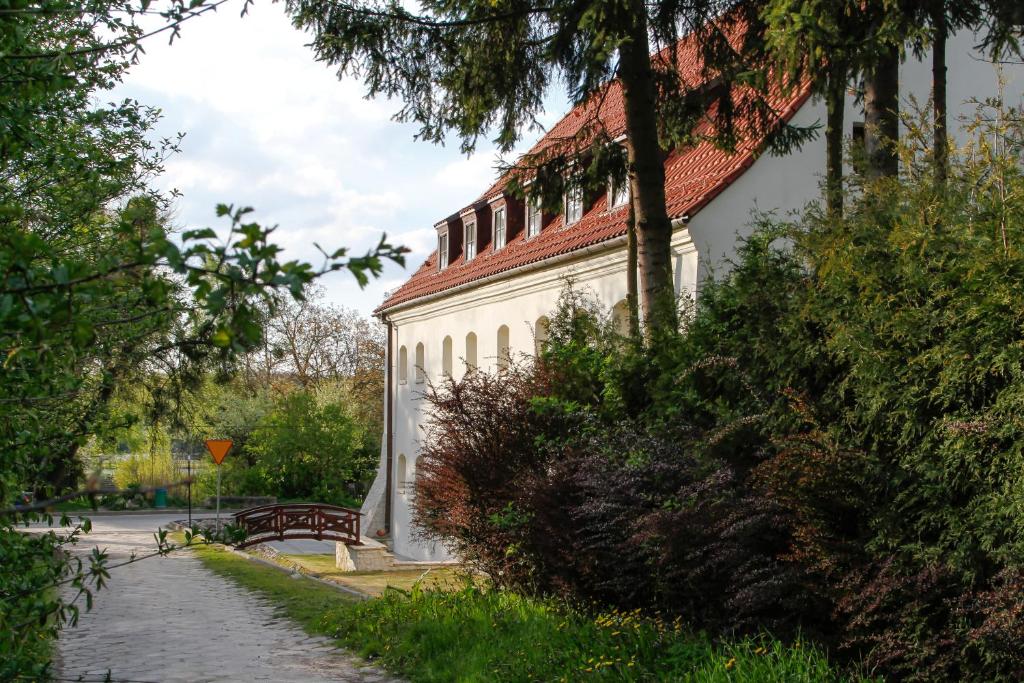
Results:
x,y
785,185
782,185
517,303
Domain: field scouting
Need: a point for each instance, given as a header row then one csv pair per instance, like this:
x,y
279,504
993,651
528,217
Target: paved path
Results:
x,y
169,620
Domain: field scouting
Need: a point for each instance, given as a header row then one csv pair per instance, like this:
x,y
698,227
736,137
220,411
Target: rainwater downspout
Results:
x,y
389,426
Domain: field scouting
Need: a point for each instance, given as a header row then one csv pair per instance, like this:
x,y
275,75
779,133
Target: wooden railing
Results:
x,y
298,520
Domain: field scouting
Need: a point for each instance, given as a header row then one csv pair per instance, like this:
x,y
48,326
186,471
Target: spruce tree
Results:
x,y
470,67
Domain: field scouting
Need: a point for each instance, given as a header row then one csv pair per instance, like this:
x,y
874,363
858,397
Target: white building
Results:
x,y
500,267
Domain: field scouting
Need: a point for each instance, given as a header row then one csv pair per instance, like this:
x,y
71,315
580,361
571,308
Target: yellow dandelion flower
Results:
x,y
730,664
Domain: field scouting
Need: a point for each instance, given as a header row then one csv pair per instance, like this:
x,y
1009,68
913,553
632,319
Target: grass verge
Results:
x,y
302,600
375,583
478,635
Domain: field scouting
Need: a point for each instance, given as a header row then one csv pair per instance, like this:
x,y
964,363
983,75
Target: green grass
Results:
x,y
478,635
302,600
375,583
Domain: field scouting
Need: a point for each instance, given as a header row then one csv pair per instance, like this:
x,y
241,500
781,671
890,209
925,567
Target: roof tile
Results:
x,y
693,177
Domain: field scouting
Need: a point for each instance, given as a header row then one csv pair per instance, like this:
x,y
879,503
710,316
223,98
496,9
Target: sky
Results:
x,y
269,127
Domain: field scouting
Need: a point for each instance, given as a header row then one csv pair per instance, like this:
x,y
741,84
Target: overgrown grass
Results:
x,y
479,635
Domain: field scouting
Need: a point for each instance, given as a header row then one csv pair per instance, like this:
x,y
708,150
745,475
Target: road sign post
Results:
x,y
218,449
190,493
188,450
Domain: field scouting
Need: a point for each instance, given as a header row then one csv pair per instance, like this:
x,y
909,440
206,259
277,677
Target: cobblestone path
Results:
x,y
170,620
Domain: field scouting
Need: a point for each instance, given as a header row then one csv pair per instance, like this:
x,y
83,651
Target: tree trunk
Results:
x,y
941,150
632,297
882,116
835,102
647,179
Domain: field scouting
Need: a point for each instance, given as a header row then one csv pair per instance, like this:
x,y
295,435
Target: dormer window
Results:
x,y
533,217
442,251
573,204
618,192
499,228
470,240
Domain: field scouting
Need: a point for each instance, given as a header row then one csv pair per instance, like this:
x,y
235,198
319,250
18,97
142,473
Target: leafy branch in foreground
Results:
x,y
85,576
97,292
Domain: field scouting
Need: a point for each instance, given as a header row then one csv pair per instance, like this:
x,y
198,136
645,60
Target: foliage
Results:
x,y
502,636
96,291
537,492
23,634
310,448
439,61
832,444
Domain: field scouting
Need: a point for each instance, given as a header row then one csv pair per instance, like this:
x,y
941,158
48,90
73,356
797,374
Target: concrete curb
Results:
x,y
297,571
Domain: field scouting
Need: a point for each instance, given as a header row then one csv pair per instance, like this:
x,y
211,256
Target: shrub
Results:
x,y
833,444
308,448
547,499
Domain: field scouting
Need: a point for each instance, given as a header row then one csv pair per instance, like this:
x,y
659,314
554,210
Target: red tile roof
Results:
x,y
693,177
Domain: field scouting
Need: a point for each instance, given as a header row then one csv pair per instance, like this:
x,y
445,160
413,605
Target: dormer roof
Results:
x,y
693,177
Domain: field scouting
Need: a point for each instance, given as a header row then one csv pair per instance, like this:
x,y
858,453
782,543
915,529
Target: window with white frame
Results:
x,y
470,241
533,217
442,251
618,192
573,204
499,228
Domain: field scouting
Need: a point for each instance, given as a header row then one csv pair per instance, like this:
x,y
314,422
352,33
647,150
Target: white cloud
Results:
x,y
269,127
472,175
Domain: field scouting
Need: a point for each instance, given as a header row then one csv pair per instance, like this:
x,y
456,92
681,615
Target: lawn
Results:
x,y
375,583
472,634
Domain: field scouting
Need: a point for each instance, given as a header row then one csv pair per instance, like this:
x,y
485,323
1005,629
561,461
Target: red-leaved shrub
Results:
x,y
544,497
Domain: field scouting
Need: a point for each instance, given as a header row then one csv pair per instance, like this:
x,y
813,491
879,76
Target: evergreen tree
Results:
x,y
471,66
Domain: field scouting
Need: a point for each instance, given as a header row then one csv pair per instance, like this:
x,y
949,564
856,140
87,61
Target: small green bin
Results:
x,y
160,498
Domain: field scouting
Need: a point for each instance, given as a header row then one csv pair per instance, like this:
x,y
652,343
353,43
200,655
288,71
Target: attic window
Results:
x,y
573,204
499,228
442,251
533,218
618,192
470,240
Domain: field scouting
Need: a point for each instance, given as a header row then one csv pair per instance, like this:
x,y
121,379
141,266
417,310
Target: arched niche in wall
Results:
x,y
421,372
504,352
403,365
540,333
446,357
402,475
470,357
620,318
